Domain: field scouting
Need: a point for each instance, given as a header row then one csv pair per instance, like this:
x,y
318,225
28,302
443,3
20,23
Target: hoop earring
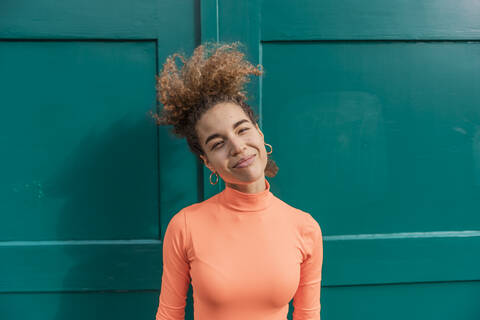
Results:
x,y
211,178
271,149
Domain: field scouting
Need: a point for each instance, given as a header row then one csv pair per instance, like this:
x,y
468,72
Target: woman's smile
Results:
x,y
247,162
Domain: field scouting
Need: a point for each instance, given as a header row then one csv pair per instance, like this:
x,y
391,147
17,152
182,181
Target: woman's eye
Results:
x,y
216,144
221,142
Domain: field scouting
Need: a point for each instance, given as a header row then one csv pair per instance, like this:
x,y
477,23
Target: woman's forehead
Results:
x,y
221,116
219,120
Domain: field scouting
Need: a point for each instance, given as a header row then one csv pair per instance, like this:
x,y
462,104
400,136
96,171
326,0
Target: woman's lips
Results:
x,y
246,163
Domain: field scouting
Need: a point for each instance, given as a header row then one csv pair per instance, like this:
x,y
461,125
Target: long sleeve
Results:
x,y
306,301
176,271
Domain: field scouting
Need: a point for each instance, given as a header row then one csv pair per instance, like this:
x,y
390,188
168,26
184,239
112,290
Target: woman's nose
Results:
x,y
237,145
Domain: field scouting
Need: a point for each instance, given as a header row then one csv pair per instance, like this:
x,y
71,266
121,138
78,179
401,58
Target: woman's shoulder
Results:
x,y
187,215
294,211
201,206
302,218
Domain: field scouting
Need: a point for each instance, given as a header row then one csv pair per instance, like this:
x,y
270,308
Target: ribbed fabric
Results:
x,y
246,255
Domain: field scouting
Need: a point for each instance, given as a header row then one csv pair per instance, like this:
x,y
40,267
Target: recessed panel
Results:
x,y
440,301
376,137
78,146
376,19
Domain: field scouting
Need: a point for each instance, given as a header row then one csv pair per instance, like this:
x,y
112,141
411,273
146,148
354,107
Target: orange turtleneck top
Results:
x,y
247,255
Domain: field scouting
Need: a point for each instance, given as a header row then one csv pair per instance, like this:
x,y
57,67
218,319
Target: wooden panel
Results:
x,y
83,159
439,301
426,301
121,265
383,136
401,258
79,306
171,21
351,19
79,148
377,139
80,265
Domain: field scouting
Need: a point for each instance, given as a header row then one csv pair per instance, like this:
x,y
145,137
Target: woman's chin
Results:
x,y
249,175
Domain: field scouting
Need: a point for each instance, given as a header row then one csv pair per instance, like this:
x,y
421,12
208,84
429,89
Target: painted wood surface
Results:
x,y
88,182
372,111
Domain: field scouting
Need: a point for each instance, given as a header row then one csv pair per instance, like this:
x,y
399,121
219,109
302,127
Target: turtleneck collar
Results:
x,y
246,202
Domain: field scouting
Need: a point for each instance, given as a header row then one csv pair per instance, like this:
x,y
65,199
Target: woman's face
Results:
x,y
227,136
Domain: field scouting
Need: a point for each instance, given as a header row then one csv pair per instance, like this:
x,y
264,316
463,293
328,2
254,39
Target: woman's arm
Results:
x,y
306,301
176,276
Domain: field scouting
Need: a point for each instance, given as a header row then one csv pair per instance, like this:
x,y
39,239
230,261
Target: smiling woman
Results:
x,y
246,252
234,148
194,97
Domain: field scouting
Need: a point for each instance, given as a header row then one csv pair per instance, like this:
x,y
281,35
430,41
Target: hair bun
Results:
x,y
214,71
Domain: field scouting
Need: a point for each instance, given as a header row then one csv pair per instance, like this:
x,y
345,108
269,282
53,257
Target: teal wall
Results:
x,y
88,182
371,109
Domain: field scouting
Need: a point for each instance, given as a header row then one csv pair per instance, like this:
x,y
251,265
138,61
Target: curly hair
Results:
x,y
215,73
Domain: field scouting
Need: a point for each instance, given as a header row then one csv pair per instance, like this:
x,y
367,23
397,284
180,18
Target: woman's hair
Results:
x,y
215,73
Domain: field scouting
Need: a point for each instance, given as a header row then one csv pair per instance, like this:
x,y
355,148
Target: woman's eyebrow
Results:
x,y
215,135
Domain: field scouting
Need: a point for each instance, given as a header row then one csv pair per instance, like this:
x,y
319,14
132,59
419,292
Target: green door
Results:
x,y
373,112
87,181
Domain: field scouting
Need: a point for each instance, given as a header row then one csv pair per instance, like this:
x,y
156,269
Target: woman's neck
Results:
x,y
243,202
254,187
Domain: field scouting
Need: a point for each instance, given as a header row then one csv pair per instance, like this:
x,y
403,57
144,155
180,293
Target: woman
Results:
x,y
246,252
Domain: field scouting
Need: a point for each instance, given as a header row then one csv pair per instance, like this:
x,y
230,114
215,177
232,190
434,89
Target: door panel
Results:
x,y
88,182
377,19
72,132
380,124
372,112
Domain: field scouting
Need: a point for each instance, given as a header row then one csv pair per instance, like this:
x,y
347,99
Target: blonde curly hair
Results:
x,y
215,73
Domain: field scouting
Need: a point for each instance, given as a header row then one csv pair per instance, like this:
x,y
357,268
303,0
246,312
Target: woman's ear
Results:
x,y
207,164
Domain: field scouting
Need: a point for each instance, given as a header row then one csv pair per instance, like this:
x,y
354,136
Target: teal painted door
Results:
x,y
87,181
372,109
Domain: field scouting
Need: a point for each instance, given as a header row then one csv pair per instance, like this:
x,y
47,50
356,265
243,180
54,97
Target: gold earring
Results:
x,y
211,178
271,149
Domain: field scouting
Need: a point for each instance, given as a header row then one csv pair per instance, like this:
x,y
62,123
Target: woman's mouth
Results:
x,y
247,162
